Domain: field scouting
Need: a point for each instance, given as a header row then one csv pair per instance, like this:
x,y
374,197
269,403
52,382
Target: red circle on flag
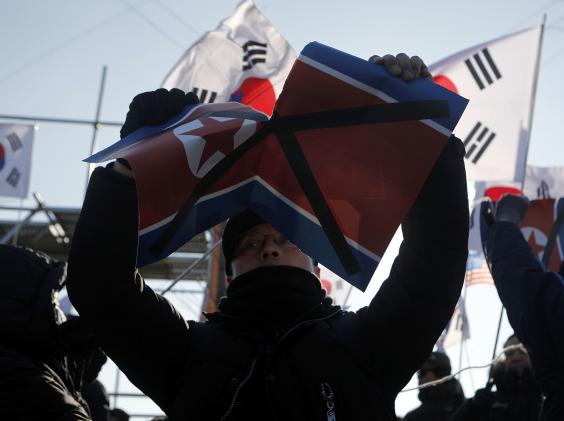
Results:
x,y
326,285
497,192
2,157
256,93
445,82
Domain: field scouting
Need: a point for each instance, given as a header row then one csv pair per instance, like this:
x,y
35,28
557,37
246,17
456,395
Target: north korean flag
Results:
x,y
543,229
335,169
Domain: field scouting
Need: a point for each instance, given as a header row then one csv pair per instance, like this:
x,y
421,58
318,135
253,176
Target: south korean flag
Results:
x,y
16,141
499,79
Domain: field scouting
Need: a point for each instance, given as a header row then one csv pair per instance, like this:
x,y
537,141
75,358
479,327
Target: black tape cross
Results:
x,y
283,128
551,241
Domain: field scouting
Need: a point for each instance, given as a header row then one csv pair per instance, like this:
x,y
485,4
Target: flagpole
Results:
x,y
490,383
463,330
530,126
533,99
96,123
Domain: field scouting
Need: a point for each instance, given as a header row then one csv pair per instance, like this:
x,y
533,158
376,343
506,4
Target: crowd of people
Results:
x,y
277,348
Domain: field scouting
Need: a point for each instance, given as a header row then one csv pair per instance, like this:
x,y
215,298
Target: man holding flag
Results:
x,y
533,297
277,348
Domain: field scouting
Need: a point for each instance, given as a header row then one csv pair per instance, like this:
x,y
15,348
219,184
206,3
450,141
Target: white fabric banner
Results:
x,y
338,289
498,77
544,182
457,329
540,183
245,59
16,143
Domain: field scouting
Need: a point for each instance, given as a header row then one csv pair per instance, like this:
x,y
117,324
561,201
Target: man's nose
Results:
x,y
270,249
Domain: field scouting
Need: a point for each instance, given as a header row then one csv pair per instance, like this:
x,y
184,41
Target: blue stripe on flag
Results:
x,y
303,232
378,78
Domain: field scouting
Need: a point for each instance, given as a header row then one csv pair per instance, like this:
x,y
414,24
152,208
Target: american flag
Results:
x,y
477,271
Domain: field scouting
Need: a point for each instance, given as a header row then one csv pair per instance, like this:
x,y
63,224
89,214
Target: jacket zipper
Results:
x,y
246,379
327,394
236,394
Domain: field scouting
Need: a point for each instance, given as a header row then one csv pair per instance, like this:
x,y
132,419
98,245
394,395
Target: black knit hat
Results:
x,y
235,228
438,363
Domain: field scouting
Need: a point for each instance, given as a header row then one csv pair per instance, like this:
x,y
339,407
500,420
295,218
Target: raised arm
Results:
x,y
139,329
534,299
409,312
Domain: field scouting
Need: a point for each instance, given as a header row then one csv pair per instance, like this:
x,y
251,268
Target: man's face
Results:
x,y
516,359
426,376
262,246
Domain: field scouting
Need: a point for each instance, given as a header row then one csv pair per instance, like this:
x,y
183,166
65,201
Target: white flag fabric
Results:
x,y
336,288
544,182
499,78
245,59
16,143
457,329
540,183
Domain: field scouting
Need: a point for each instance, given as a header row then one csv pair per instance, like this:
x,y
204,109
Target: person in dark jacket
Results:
x,y
93,391
438,402
117,414
277,348
42,355
517,396
533,297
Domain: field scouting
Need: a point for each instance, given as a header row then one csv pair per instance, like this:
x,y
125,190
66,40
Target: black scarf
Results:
x,y
275,297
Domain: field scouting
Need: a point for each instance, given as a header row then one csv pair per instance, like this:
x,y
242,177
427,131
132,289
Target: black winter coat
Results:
x,y
517,398
31,389
39,380
534,299
357,362
438,403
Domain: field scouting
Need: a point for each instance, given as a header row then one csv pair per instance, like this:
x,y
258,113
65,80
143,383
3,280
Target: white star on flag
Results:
x,y
204,140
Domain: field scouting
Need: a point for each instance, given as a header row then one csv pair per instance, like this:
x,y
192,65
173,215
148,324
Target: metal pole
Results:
x,y
191,267
344,306
16,228
116,387
533,97
15,208
58,120
96,124
489,385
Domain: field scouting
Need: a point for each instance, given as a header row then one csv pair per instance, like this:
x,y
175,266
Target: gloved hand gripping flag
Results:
x,y
335,169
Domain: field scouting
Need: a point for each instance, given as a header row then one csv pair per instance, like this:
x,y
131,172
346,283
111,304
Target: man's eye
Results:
x,y
282,241
250,244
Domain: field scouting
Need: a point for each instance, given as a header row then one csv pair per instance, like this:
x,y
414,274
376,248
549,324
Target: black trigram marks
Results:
x,y
202,94
14,177
483,69
253,52
15,141
478,141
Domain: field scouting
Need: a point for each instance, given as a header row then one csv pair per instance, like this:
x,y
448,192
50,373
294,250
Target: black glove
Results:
x,y
154,108
409,68
510,208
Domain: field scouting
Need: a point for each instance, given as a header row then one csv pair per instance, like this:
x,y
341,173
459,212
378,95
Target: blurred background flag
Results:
x,y
540,183
499,77
245,59
477,271
338,289
16,142
544,182
457,330
537,227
